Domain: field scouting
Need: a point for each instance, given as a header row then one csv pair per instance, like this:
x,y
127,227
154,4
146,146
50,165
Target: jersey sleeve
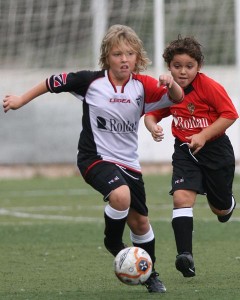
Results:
x,y
159,114
71,82
155,97
217,98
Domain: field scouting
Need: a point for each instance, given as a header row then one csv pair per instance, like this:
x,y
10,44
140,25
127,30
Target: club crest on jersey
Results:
x,y
59,80
191,108
139,100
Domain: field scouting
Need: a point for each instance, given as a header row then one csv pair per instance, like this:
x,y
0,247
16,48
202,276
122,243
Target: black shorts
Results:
x,y
106,176
210,171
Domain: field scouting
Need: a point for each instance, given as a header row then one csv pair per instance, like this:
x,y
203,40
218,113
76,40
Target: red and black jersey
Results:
x,y
111,113
205,101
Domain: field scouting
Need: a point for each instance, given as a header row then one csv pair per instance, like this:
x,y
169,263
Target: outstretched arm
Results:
x,y
14,102
174,90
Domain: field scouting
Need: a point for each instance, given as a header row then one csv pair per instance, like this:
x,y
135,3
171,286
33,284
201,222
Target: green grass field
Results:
x,y
51,245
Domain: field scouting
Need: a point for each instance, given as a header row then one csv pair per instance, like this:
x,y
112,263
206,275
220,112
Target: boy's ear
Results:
x,y
199,67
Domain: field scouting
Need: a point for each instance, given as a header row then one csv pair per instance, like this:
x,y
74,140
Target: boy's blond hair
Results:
x,y
116,36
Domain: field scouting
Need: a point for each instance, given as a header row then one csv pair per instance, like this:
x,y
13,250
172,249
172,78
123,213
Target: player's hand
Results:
x,y
196,142
157,133
166,80
12,102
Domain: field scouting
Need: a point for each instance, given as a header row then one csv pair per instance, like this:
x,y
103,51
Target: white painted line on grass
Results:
x,y
17,214
5,212
46,193
57,208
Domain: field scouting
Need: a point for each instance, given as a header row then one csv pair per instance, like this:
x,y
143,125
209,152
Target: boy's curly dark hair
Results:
x,y
187,45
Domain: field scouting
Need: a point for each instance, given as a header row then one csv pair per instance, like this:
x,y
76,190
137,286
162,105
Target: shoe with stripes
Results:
x,y
224,219
185,264
154,284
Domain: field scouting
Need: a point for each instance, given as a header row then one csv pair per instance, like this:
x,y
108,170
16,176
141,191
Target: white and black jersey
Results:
x,y
111,113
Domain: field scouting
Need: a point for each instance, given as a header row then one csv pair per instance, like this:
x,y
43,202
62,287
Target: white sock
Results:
x,y
115,214
141,239
182,212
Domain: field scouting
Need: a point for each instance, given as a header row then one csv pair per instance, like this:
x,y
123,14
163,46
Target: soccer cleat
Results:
x,y
225,218
114,250
185,264
154,284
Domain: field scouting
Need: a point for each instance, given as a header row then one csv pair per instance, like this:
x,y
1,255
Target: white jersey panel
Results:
x,y
114,117
111,114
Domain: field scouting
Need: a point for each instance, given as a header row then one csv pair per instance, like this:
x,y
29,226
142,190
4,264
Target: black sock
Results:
x,y
114,229
150,248
183,228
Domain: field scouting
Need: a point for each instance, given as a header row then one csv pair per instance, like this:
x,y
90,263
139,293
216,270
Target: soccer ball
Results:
x,y
133,265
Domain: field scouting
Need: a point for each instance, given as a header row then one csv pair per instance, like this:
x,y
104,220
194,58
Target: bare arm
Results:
x,y
197,141
174,90
15,102
155,129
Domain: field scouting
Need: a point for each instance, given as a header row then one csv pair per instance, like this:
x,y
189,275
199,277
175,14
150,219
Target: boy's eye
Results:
x,y
178,66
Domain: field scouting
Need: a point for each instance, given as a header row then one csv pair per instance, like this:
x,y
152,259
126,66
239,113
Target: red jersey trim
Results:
x,y
90,167
114,162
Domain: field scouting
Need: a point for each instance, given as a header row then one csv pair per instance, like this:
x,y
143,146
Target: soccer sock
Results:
x,y
114,225
146,242
182,224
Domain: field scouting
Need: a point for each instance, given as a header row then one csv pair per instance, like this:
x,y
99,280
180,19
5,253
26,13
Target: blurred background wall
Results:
x,y
41,38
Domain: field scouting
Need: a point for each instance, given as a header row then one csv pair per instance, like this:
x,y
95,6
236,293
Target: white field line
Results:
x,y
56,192
20,212
57,208
17,214
46,193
